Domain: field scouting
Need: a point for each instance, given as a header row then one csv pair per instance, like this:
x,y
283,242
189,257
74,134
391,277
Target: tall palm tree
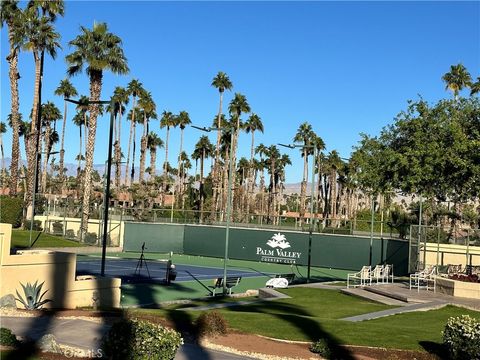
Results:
x,y
148,107
67,90
11,15
167,121
261,150
99,50
154,143
456,79
475,88
183,119
254,123
236,107
334,164
50,113
134,116
121,97
304,134
221,82
272,157
134,88
3,130
40,37
203,150
79,120
117,108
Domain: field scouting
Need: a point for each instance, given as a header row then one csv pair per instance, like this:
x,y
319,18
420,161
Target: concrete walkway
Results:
x,y
87,335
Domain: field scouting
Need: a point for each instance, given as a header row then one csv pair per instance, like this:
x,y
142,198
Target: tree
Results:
x,y
167,121
221,82
254,123
134,88
272,158
236,107
3,130
154,143
475,88
148,107
50,113
121,98
203,150
261,150
100,50
11,15
304,134
456,79
183,119
40,37
67,90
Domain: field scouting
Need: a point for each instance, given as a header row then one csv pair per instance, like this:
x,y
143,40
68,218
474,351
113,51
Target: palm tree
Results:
x,y
167,121
117,109
475,88
254,123
49,113
456,79
236,107
221,82
78,120
183,119
134,89
67,90
148,107
203,150
154,143
134,116
100,50
261,150
304,134
40,36
121,97
11,14
272,157
334,164
3,130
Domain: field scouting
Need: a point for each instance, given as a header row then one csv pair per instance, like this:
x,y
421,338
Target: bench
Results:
x,y
289,277
231,282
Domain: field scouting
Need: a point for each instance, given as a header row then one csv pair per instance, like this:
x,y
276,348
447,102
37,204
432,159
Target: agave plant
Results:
x,y
33,296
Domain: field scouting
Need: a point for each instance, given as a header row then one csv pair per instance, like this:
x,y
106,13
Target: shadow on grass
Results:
x,y
302,320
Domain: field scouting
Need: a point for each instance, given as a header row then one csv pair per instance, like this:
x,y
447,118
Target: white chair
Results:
x,y
387,274
363,277
424,278
377,273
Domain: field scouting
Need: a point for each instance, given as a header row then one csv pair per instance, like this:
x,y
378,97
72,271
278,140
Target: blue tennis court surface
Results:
x,y
125,269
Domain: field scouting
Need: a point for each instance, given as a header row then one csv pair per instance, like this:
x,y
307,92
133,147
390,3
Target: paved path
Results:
x,y
86,335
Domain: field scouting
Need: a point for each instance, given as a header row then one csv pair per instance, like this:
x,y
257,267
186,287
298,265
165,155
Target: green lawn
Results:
x,y
315,313
21,239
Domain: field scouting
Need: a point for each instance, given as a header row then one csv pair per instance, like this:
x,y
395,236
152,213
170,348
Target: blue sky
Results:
x,y
344,67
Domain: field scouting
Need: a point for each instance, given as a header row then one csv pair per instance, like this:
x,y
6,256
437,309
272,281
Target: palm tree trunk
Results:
x,y
46,138
32,157
143,149
201,185
165,166
13,76
179,176
132,125
132,172
216,176
303,188
251,185
153,159
62,146
95,91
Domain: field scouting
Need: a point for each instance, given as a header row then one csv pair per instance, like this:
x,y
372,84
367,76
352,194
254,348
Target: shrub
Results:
x,y
322,348
91,238
37,225
7,338
33,296
12,210
57,227
142,340
70,234
211,323
462,337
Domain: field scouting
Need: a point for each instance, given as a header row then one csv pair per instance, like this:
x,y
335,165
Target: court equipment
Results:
x,y
141,262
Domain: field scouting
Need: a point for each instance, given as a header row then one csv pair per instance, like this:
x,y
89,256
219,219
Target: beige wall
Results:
x,y
57,271
115,227
450,253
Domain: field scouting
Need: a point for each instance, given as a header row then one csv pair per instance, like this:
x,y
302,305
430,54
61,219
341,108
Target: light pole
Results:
x,y
109,166
35,186
229,199
312,218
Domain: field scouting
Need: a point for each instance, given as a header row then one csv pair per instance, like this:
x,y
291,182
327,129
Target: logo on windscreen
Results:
x,y
277,253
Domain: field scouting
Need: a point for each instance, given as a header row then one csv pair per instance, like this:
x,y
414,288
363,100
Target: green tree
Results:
x,y
304,135
50,113
121,98
475,88
148,107
183,119
254,123
11,15
167,121
66,90
134,88
221,82
154,143
456,79
203,150
99,50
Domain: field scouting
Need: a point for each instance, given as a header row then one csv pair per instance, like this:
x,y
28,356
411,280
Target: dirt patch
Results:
x,y
264,348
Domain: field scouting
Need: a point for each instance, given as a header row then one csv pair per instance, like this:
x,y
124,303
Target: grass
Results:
x,y
21,239
311,314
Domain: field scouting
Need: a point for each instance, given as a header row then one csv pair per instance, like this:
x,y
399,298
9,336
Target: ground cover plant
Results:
x,y
21,239
313,314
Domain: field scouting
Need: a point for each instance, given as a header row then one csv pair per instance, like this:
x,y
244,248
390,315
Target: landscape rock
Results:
x,y
48,343
8,301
